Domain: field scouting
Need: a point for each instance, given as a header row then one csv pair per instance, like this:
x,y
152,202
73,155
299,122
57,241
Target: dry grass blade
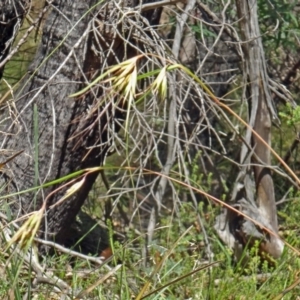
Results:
x,y
72,190
180,278
9,159
160,265
287,290
25,235
98,282
116,74
159,85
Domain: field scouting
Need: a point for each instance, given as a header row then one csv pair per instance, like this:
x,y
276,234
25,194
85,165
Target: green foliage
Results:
x,y
282,16
291,115
202,31
221,282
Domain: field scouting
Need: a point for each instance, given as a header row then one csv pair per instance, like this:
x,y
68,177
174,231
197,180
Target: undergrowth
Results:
x,y
227,279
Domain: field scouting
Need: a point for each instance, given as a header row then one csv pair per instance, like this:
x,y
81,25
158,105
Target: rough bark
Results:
x,y
67,132
261,107
56,76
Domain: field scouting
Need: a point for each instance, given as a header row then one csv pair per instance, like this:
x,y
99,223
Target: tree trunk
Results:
x,y
56,75
256,200
58,134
